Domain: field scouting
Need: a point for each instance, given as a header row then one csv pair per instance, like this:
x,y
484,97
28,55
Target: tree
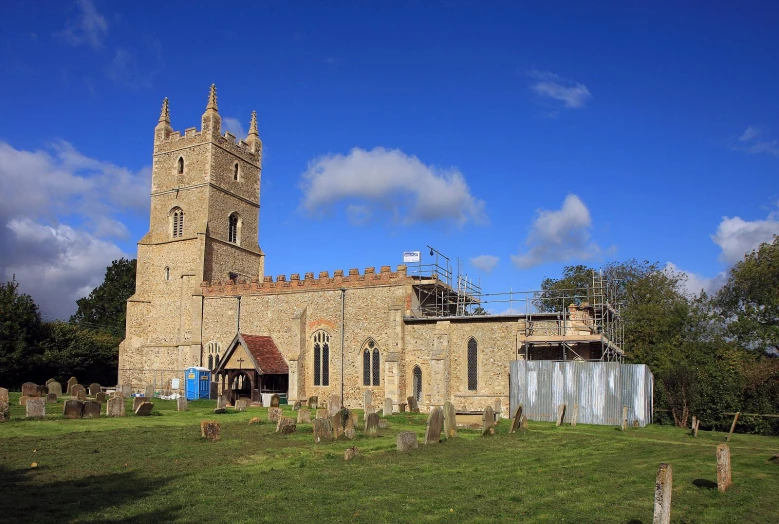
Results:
x,y
106,306
20,327
749,301
71,350
573,287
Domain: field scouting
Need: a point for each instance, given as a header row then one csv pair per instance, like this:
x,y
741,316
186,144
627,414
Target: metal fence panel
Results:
x,y
599,388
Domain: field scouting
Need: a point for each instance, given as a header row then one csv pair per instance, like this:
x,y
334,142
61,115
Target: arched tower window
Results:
x,y
214,351
473,364
235,172
176,222
181,166
234,228
321,340
371,360
417,383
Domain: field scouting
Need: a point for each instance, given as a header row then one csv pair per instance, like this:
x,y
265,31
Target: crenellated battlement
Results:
x,y
354,279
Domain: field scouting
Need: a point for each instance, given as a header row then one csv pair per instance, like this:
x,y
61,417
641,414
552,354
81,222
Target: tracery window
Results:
x,y
371,361
321,340
417,383
213,350
177,222
234,228
473,365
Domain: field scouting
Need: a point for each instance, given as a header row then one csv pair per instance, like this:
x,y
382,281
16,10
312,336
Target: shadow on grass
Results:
x,y
703,483
29,499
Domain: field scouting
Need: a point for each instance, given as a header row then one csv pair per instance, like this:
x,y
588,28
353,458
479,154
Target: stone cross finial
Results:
x,y
165,113
212,99
253,125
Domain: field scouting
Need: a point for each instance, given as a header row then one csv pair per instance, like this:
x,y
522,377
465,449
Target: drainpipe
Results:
x,y
238,316
343,301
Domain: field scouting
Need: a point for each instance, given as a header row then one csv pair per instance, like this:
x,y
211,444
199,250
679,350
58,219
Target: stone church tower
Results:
x,y
205,199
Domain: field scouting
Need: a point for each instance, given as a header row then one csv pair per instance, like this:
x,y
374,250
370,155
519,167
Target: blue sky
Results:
x,y
519,138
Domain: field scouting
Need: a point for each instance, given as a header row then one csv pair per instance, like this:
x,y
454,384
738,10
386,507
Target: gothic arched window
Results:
x,y
321,340
371,360
234,228
214,350
417,383
473,364
176,222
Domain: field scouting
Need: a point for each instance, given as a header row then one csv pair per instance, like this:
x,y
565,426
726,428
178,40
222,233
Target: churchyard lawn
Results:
x,y
159,469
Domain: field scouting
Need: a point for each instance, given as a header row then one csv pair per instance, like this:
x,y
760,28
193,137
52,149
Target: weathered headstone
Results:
x,y
78,391
94,389
304,416
560,415
322,404
450,420
30,389
73,409
91,409
367,401
182,404
387,407
372,425
407,440
211,430
402,407
624,418
144,410
55,387
350,431
274,400
23,400
516,420
42,390
413,407
149,391
355,418
221,401
125,389
663,489
383,423
321,413
285,425
350,453
137,401
255,420
498,408
101,397
50,381
72,381
335,423
435,421
312,402
724,479
4,395
333,405
523,423
36,407
323,430
115,407
488,422
574,415
297,405
241,404
51,398
274,414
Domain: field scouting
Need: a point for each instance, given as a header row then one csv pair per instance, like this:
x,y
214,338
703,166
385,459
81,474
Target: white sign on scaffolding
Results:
x,y
411,256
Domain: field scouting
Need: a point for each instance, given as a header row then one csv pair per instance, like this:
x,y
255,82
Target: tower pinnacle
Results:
x,y
165,113
253,125
212,99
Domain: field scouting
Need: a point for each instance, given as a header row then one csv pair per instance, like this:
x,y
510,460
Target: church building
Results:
x,y
202,299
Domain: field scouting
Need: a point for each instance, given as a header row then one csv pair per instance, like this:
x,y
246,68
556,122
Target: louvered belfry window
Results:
x,y
178,223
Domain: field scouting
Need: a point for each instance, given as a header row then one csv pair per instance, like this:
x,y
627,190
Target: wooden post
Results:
x,y
732,426
695,429
663,488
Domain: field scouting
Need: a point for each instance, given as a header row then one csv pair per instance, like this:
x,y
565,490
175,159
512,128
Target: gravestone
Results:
x,y
297,405
560,415
94,389
335,423
76,390
55,387
30,389
274,400
574,415
255,420
435,421
73,409
100,397
91,409
350,453
149,391
488,422
182,404
50,381
516,420
724,479
72,381
5,407
115,407
321,413
349,430
355,418
144,409
413,407
313,403
523,423
42,391
383,423
663,489
211,430
450,420
387,407
304,416
51,398
333,405
241,404
285,425
367,401
274,414
221,401
372,425
23,400
4,395
498,408
402,407
624,418
125,389
137,401
36,407
323,430
407,440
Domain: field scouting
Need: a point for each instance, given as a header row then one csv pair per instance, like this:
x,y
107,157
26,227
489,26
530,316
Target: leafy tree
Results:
x,y
72,350
106,306
20,326
573,287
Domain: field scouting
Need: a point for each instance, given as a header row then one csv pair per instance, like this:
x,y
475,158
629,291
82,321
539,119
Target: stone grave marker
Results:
x,y
560,415
23,400
42,391
383,423
402,407
304,416
211,430
241,404
4,395
372,425
182,404
255,420
144,409
285,425
333,405
323,430
367,401
137,401
574,415
355,418
221,401
55,387
523,423
149,391
81,393
663,489
91,409
498,408
51,398
100,397
76,390
73,409
30,389
407,440
435,421
624,418
36,407
724,479
297,405
115,407
94,389
387,407
321,413
349,430
50,381
516,420
413,407
274,400
5,407
450,420
313,402
335,423
125,389
488,422
274,414
350,453
72,381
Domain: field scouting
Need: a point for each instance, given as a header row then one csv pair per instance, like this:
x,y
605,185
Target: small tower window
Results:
x,y
234,229
167,273
214,350
176,222
181,165
235,172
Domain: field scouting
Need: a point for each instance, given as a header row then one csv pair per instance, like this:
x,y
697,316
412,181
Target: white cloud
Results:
x,y
736,236
696,283
394,181
549,85
485,262
559,235
749,133
234,126
749,142
89,27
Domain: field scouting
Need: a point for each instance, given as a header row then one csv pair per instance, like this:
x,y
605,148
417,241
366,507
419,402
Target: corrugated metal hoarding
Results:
x,y
599,388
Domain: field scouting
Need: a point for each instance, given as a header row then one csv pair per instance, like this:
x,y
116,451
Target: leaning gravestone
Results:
x,y
724,478
407,440
323,430
241,404
560,415
450,420
94,389
367,402
137,401
333,405
372,425
304,416
349,430
285,425
72,381
36,407
73,409
115,407
516,420
144,410
297,405
4,405
274,400
55,387
435,422
274,414
30,389
51,398
181,404
149,391
387,407
313,402
663,490
211,430
413,407
488,422
91,409
100,397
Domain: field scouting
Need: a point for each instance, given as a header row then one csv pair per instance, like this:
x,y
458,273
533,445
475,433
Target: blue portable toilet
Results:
x,y
198,383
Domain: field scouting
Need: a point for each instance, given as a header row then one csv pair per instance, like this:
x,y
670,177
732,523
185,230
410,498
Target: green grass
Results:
x,y
158,469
